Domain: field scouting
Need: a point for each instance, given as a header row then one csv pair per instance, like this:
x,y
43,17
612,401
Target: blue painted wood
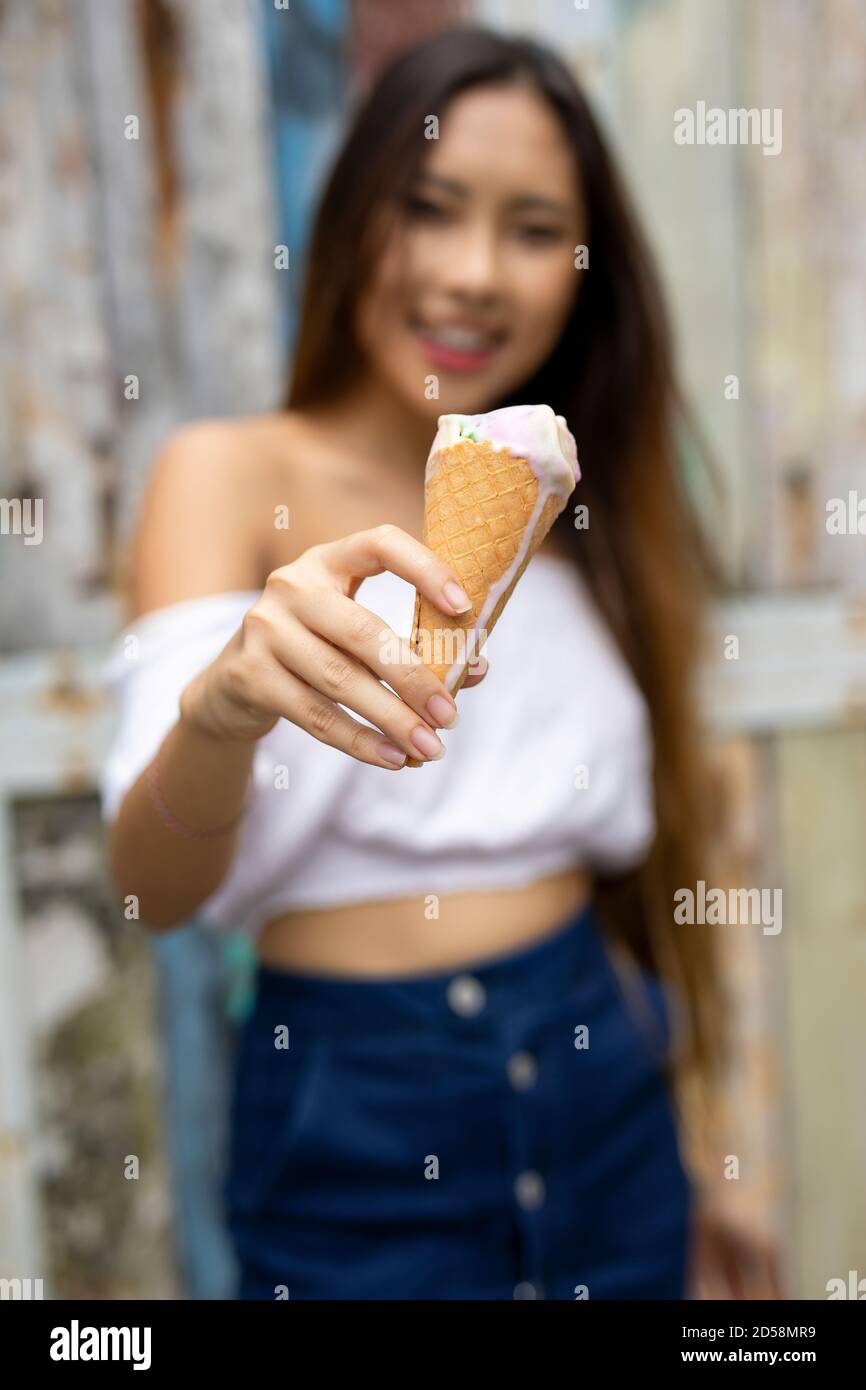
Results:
x,y
306,52
199,1040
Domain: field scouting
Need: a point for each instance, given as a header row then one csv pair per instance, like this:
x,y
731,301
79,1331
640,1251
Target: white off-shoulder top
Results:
x,y
550,766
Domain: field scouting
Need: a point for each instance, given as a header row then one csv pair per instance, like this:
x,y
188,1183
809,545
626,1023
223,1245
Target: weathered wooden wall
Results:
x,y
768,279
115,266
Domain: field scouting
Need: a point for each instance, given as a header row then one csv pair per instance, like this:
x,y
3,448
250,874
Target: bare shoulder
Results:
x,y
199,528
228,501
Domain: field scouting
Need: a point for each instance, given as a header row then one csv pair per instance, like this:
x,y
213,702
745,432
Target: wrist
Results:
x,y
179,825
197,717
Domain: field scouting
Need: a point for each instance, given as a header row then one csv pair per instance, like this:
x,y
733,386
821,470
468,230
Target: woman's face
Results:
x,y
477,278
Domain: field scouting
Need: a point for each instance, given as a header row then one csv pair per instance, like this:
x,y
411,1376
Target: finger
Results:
x,y
387,547
335,674
774,1276
325,720
364,635
749,1266
765,1281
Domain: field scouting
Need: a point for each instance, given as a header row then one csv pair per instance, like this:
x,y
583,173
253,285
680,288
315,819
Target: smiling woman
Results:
x,y
465,1061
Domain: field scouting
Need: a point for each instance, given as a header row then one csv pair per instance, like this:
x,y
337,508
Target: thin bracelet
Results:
x,y
172,821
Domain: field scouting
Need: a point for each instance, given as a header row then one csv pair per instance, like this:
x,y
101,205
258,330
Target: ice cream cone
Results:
x,y
494,486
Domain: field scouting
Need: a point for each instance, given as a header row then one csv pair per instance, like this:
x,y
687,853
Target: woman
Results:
x,y
448,1086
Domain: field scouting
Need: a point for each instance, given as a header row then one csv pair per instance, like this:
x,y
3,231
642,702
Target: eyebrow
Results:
x,y
525,201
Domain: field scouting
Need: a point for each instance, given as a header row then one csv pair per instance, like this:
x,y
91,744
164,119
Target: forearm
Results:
x,y
160,875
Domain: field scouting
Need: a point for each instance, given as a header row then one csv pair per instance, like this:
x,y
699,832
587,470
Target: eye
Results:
x,y
420,207
539,233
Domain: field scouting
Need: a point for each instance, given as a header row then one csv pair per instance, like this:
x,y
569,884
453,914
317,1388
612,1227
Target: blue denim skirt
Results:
x,y
503,1130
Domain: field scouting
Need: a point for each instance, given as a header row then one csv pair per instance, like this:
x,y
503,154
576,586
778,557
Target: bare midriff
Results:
x,y
406,936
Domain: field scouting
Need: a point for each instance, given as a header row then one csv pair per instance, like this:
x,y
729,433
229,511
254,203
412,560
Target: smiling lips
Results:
x,y
458,346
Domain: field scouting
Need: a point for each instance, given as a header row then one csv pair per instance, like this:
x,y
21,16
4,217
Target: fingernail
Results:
x,y
391,754
426,742
442,711
457,597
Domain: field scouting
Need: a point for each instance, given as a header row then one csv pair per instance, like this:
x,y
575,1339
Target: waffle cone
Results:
x,y
479,504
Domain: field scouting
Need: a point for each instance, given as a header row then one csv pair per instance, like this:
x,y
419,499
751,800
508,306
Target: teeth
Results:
x,y
464,339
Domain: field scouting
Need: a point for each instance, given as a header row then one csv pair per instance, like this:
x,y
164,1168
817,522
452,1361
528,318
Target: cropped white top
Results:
x,y
550,766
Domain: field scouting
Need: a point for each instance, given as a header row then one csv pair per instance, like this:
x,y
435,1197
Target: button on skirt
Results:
x,y
504,1130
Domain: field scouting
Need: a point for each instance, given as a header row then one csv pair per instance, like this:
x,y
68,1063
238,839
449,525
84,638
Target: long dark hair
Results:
x,y
611,376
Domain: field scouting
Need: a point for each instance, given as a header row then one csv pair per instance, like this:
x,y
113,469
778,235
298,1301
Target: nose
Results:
x,y
472,266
